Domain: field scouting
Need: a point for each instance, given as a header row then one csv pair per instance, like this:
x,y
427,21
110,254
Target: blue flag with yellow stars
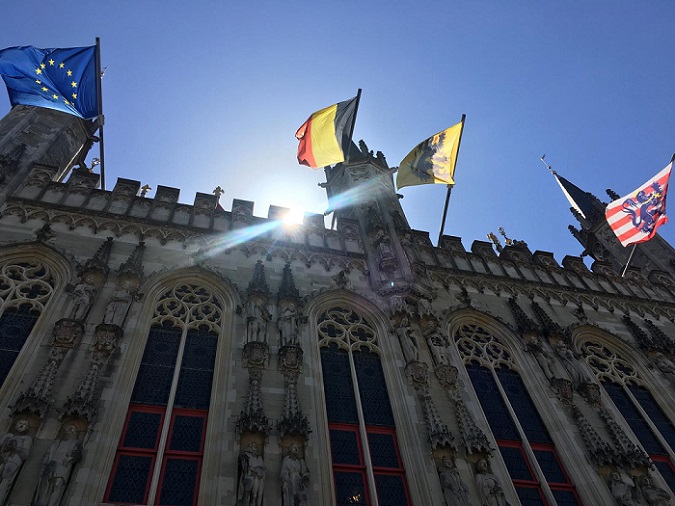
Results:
x,y
62,79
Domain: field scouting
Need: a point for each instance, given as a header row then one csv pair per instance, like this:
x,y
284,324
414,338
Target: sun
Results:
x,y
294,216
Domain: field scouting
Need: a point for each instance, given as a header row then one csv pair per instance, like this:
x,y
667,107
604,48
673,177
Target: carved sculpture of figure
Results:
x,y
455,491
14,449
436,344
653,495
117,306
251,476
57,465
397,304
423,306
542,357
489,488
665,365
294,478
624,494
577,374
258,316
407,340
288,326
83,293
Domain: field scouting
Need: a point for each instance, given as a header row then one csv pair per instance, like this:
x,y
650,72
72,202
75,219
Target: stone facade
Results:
x,y
90,280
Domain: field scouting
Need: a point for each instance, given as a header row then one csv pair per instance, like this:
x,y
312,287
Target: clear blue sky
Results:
x,y
206,93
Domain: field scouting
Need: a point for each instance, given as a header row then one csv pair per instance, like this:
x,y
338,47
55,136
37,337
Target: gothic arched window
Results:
x,y
25,289
636,404
159,455
362,432
523,439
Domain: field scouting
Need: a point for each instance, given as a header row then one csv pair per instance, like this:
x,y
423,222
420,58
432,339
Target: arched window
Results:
x,y
362,432
523,439
636,404
160,452
25,289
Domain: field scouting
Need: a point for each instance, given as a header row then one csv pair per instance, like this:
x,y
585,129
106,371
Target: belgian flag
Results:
x,y
324,137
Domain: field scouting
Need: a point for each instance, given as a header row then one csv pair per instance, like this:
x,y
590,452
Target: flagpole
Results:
x,y
447,195
629,259
100,119
351,130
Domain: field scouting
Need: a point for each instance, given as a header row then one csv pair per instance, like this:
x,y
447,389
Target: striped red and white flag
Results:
x,y
635,217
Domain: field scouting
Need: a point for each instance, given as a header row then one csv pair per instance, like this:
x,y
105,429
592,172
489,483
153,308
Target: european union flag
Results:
x,y
62,79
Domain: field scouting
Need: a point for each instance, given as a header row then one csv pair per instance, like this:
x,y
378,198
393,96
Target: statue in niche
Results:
x,y
625,494
543,358
436,343
288,326
57,466
407,340
14,448
455,491
652,495
575,370
83,293
258,316
251,476
294,478
117,306
489,488
665,365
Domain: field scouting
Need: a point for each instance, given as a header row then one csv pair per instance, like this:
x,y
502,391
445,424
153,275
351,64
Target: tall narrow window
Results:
x,y
160,452
25,289
362,433
636,404
521,435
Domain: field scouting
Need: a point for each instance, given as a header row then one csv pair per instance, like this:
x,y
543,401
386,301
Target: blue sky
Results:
x,y
206,93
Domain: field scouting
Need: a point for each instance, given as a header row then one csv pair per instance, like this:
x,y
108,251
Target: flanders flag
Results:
x,y
433,160
324,137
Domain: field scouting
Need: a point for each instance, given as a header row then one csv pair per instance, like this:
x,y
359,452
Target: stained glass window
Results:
x,y
173,388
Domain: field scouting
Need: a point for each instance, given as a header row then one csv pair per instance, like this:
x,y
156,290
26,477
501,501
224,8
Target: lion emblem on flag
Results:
x,y
645,208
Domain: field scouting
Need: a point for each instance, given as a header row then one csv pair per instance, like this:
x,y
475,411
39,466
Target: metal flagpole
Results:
x,y
351,130
629,259
447,195
100,119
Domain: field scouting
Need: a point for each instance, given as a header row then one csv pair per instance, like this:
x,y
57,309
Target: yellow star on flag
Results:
x,y
55,97
45,89
51,62
70,72
73,84
38,81
42,65
61,65
38,71
74,95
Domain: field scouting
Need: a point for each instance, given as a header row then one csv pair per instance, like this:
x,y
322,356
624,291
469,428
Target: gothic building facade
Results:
x,y
153,352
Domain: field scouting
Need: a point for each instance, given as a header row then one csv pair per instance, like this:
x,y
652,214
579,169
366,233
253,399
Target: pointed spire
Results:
x,y
474,439
83,402
38,397
439,434
524,323
99,262
287,290
660,340
631,456
612,194
643,340
600,452
581,201
134,264
293,421
258,284
550,327
252,418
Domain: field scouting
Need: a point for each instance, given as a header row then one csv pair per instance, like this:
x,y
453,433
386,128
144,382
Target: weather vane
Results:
x,y
543,160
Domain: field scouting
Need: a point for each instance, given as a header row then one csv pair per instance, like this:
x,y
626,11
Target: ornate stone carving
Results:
x,y
57,466
293,421
488,485
15,446
629,455
290,358
287,323
447,375
652,495
252,471
252,418
407,340
38,398
83,296
256,354
576,372
624,493
436,342
600,453
67,333
294,478
563,389
455,491
417,374
438,432
473,438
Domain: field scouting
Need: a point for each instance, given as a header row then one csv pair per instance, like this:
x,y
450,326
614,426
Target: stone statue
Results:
x,y
576,372
14,449
288,326
83,293
624,494
57,466
436,344
407,340
117,306
251,476
543,358
455,491
489,488
258,316
294,478
652,495
666,366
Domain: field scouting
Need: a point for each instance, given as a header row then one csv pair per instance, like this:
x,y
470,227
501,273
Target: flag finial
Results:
x,y
543,160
